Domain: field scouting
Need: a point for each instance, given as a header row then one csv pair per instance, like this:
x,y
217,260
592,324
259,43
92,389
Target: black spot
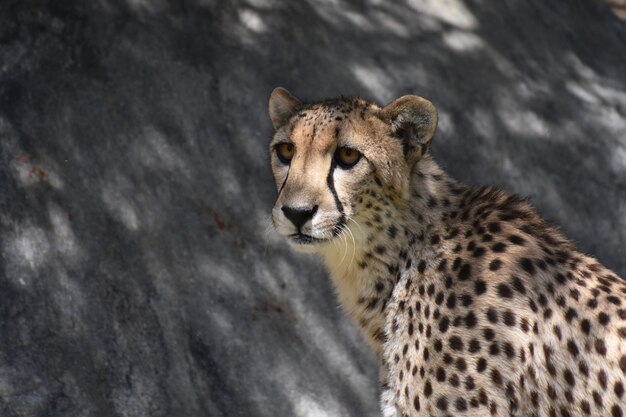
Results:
x,y
614,300
451,302
442,265
489,334
461,365
570,314
498,247
466,300
517,240
481,365
496,377
616,411
480,287
601,378
464,273
439,298
492,315
509,350
470,320
431,289
557,332
478,252
527,265
442,403
505,291
460,404
508,317
438,345
456,264
444,323
428,389
604,318
456,343
454,380
495,264
597,398
518,285
474,346
572,347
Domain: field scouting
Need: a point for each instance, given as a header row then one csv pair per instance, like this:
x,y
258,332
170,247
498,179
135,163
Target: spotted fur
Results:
x,y
474,304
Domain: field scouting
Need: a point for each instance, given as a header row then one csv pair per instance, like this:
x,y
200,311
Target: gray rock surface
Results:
x,y
139,275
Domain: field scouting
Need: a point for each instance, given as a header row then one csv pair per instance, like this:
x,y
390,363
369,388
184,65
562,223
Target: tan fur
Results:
x,y
474,305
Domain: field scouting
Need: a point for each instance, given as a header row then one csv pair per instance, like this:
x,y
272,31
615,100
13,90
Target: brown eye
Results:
x,y
285,152
347,157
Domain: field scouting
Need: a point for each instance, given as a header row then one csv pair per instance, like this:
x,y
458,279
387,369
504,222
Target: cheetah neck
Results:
x,y
367,262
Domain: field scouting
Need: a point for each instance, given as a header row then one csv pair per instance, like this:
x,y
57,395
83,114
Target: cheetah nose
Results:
x,y
299,215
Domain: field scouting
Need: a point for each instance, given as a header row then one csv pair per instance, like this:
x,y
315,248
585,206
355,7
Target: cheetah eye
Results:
x,y
285,152
347,157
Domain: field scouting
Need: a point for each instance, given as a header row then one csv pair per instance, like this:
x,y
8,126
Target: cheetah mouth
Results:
x,y
302,239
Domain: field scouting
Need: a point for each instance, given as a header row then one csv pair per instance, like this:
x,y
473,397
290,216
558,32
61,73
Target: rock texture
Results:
x,y
139,275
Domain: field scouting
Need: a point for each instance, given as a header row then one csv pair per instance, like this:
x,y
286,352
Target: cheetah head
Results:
x,y
331,159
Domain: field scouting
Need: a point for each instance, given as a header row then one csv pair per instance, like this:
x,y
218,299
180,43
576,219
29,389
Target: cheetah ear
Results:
x,y
413,120
282,106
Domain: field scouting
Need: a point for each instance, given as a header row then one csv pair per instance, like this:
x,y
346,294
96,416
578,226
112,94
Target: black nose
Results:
x,y
299,215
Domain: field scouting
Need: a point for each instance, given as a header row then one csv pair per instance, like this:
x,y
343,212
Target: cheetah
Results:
x,y
474,305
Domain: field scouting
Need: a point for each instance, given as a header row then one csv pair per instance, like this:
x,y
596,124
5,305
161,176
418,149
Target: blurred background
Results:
x,y
139,273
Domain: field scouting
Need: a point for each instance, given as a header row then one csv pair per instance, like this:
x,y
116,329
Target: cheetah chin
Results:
x,y
474,305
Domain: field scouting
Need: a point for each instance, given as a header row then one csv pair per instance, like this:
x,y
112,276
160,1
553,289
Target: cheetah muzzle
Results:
x,y
474,305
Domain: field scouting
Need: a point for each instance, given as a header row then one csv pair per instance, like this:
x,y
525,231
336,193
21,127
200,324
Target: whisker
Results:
x,y
353,246
345,241
358,225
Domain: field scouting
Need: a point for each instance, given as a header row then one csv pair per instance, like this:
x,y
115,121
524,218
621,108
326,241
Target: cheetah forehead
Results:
x,y
320,125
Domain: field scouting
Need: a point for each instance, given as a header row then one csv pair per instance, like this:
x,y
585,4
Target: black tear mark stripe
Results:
x,y
331,185
284,182
314,133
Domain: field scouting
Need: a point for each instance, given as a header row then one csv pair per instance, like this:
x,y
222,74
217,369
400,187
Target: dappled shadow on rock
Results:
x,y
140,274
